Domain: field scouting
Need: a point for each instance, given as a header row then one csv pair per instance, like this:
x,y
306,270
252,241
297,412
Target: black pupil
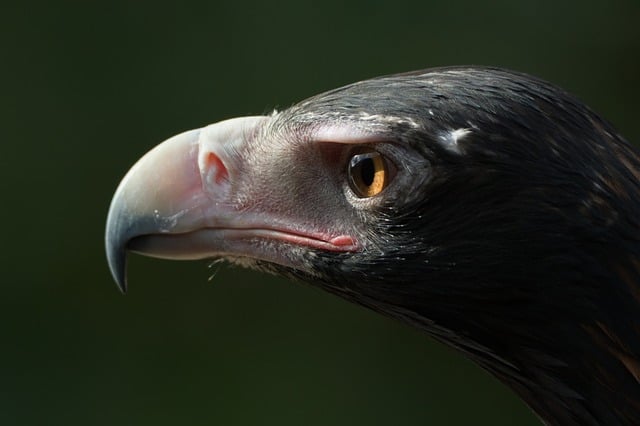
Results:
x,y
367,171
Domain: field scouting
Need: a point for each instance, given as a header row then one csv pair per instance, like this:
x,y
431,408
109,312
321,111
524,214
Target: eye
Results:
x,y
368,174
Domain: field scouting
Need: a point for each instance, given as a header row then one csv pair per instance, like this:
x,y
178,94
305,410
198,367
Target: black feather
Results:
x,y
522,249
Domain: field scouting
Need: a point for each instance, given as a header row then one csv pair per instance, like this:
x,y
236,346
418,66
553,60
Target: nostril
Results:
x,y
215,168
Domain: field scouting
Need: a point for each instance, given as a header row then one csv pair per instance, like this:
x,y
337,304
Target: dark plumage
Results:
x,y
507,225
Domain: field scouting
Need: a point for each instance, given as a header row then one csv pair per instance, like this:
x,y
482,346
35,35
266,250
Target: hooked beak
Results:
x,y
175,189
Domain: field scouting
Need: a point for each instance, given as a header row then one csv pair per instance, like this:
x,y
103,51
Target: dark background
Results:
x,y
88,87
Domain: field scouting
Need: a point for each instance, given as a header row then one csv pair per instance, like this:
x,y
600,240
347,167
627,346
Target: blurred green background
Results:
x,y
88,87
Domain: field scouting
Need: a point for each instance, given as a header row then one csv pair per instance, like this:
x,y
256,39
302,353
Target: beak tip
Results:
x,y
118,266
116,257
122,283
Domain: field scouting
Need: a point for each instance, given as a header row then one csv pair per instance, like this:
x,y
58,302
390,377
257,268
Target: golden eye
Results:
x,y
368,174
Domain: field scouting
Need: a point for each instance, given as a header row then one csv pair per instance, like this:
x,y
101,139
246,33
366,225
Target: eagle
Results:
x,y
488,208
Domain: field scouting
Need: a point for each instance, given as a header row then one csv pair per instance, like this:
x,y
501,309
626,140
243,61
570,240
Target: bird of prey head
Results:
x,y
490,209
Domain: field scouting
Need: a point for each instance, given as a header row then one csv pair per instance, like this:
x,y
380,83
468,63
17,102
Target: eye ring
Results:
x,y
368,174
